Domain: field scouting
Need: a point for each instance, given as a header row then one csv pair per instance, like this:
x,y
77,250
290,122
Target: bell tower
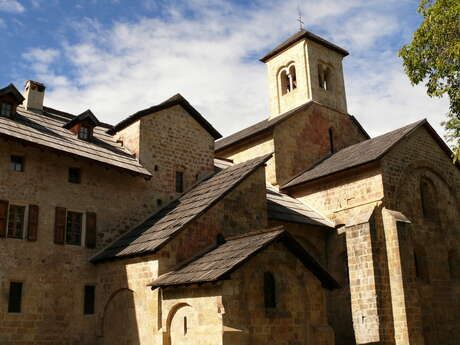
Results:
x,y
305,68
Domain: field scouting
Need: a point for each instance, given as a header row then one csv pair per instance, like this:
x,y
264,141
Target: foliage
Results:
x,y
433,56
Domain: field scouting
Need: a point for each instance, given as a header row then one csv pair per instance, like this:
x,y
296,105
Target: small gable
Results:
x,y
10,98
83,125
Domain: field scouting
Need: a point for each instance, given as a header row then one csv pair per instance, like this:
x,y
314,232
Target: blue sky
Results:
x,y
119,56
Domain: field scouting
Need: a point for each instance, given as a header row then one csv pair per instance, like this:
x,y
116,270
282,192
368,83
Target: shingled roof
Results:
x,y
219,262
361,153
259,127
282,207
299,36
159,229
177,99
46,130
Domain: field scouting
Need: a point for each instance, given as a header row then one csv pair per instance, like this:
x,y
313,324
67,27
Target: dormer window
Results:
x,y
83,125
6,109
83,133
10,98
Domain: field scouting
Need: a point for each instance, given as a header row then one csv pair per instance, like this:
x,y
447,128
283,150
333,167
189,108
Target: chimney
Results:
x,y
34,94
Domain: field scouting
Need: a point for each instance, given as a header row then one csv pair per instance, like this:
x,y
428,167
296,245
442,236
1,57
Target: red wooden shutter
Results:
x,y
32,223
59,225
3,217
90,229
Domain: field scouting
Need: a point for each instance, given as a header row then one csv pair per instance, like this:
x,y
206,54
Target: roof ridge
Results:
x,y
177,99
255,232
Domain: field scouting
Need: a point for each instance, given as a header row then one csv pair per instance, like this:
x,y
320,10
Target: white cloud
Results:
x,y
11,6
211,58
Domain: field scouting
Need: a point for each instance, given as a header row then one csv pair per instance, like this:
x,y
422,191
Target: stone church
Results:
x,y
298,230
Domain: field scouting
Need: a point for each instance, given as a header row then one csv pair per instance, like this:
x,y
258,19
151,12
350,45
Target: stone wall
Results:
x,y
303,139
432,292
352,252
256,147
300,316
127,310
53,275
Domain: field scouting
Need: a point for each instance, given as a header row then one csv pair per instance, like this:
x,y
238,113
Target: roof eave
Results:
x,y
305,35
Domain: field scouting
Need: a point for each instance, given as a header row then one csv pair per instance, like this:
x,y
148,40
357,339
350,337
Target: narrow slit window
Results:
x,y
269,290
179,182
16,221
17,163
74,228
15,297
331,140
185,325
89,299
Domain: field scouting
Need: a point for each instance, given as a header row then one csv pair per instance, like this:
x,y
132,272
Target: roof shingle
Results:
x,y
157,230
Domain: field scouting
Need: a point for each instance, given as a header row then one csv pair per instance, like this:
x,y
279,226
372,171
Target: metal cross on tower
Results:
x,y
301,23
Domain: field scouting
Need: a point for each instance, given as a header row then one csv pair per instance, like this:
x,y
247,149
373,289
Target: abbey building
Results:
x,y
298,230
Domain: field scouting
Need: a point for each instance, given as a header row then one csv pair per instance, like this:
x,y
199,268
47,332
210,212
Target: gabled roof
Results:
x,y
362,153
86,115
299,36
160,228
267,125
11,89
46,130
219,262
258,128
282,207
177,99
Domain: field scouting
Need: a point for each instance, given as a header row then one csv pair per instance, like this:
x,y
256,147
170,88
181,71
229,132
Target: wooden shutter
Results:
x,y
32,226
91,230
3,217
59,225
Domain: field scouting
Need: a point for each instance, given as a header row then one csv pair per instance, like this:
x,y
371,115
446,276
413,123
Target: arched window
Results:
x,y
324,77
454,264
428,199
285,87
269,290
420,263
288,80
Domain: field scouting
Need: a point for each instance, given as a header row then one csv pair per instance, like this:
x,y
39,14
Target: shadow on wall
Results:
x,y
119,322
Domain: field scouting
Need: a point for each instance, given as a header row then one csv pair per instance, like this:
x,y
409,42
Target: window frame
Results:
x,y
14,164
83,228
25,220
84,133
6,104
